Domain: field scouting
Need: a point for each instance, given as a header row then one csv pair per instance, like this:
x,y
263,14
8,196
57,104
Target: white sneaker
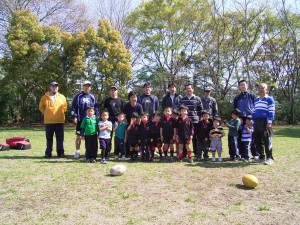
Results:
x,y
116,157
77,155
213,159
123,157
103,161
269,162
220,159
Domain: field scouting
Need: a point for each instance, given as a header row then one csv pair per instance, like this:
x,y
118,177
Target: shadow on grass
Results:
x,y
287,132
224,164
243,187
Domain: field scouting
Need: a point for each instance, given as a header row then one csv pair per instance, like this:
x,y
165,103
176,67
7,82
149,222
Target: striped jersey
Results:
x,y
264,108
245,135
195,107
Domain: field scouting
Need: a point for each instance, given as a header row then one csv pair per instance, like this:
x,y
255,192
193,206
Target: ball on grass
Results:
x,y
117,170
250,181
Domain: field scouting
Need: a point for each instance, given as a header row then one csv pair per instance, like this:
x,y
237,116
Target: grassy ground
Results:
x,y
34,190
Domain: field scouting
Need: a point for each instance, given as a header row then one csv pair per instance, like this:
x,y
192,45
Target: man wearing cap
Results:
x,y
53,105
80,103
172,98
195,107
148,101
113,104
209,103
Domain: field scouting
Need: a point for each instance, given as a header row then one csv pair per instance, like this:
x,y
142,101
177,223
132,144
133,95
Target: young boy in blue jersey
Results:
x,y
119,129
247,131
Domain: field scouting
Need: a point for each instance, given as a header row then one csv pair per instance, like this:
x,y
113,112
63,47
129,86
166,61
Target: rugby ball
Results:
x,y
118,170
250,181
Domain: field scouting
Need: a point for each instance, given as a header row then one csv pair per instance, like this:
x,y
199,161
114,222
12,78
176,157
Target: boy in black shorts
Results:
x,y
167,133
185,132
133,135
145,136
155,135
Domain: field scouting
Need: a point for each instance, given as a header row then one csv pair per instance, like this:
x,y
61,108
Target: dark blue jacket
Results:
x,y
167,101
81,102
245,103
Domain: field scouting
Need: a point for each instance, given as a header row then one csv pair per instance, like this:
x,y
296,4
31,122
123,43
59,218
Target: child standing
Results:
x,y
185,132
167,133
204,127
175,115
89,132
234,125
120,136
247,131
105,128
155,136
145,136
215,135
133,135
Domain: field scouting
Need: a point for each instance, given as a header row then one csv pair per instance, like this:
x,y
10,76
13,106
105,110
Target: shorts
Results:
x,y
184,141
168,140
78,129
105,144
216,145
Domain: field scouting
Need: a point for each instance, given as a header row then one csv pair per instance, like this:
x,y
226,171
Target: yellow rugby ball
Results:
x,y
250,181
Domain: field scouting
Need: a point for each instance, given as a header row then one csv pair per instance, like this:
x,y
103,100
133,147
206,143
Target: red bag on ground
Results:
x,y
4,146
21,145
14,139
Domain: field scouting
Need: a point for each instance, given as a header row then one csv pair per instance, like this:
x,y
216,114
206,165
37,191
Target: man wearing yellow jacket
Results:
x,y
54,105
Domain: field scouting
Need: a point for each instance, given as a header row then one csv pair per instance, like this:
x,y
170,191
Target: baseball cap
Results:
x,y
53,83
115,87
86,82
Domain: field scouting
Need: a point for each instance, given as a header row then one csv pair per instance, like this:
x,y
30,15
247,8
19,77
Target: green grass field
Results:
x,y
34,190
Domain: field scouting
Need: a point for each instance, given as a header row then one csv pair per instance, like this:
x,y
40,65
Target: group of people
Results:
x,y
188,122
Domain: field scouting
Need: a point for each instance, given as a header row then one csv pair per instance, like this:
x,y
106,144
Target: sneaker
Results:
x,y
103,161
206,159
116,157
191,160
213,159
171,159
123,157
180,160
258,160
107,158
269,161
77,155
93,160
88,160
220,159
47,156
61,156
166,159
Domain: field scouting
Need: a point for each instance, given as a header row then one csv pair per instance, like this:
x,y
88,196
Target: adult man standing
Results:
x,y
245,103
113,104
54,105
209,103
148,101
172,98
80,103
263,116
245,100
195,107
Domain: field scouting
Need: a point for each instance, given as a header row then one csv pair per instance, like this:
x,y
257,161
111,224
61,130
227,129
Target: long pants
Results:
x,y
119,146
58,129
245,149
262,138
91,146
195,139
202,146
233,147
